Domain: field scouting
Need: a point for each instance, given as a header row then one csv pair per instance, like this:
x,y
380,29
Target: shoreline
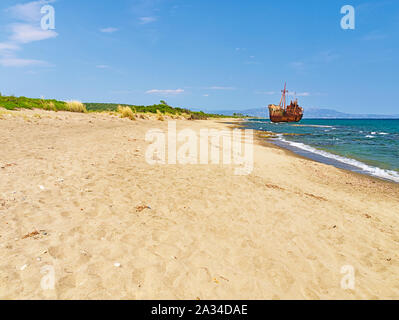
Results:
x,y
328,158
77,195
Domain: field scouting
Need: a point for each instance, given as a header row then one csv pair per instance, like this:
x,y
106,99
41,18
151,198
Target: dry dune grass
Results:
x,y
49,106
144,116
172,116
126,112
5,113
75,106
185,116
160,116
27,115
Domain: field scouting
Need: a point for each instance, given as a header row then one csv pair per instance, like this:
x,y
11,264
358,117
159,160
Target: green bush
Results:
x,y
12,103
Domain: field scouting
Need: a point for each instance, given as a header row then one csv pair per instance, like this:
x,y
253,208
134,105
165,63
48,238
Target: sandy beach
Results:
x,y
78,196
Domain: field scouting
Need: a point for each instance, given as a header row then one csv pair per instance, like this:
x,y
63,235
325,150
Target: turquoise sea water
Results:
x,y
368,146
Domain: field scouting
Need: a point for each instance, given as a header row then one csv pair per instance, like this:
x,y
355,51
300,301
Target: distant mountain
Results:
x,y
313,113
310,113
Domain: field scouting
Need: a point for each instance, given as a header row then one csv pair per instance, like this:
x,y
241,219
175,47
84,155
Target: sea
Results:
x,y
368,146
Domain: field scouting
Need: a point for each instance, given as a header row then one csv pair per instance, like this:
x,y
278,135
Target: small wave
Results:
x,y
260,121
374,171
369,136
383,133
311,125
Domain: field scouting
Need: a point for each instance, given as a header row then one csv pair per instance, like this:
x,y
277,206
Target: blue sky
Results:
x,y
204,54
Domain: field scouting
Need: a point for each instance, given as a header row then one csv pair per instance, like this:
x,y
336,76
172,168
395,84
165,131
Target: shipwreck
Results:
x,y
283,113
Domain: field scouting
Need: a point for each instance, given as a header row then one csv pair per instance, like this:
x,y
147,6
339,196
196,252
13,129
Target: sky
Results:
x,y
204,54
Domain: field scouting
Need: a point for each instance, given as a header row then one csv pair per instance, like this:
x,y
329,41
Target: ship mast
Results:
x,y
283,95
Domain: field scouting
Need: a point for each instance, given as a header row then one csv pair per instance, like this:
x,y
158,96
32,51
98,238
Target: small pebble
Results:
x,y
117,264
23,267
41,187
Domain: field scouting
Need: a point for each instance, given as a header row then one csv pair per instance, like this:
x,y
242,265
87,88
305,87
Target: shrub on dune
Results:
x,y
126,112
75,106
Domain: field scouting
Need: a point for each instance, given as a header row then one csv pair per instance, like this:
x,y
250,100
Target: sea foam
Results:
x,y
363,168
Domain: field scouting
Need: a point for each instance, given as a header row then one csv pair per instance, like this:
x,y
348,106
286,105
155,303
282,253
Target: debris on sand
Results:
x,y
32,234
7,165
142,207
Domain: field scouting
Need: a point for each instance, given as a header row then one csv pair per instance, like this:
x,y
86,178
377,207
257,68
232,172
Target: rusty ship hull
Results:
x,y
290,114
285,113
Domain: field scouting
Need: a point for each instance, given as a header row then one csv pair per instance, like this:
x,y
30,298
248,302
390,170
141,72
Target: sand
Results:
x,y
79,200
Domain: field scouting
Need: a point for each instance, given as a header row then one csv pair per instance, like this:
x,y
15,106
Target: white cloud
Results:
x,y
16,62
22,33
29,12
109,30
6,47
102,66
25,33
145,20
206,95
157,91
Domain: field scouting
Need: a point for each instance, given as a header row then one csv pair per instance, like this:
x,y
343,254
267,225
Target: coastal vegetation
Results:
x,y
127,111
157,109
13,103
